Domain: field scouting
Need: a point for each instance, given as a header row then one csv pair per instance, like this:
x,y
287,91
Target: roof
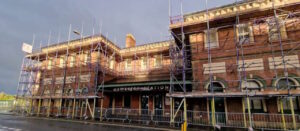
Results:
x,y
99,38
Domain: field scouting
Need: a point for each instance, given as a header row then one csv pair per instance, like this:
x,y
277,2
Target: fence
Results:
x,y
240,120
162,117
6,106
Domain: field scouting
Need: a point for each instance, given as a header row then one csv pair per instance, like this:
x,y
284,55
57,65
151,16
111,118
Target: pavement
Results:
x,y
20,123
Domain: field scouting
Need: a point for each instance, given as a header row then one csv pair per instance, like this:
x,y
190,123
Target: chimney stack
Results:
x,y
130,41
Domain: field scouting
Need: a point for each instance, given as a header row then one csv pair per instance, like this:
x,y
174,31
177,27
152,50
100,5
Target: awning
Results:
x,y
156,83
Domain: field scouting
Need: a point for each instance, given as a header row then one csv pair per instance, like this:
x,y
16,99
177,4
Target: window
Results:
x,y
61,62
144,63
58,92
47,92
195,38
252,85
256,105
111,63
245,33
216,87
85,91
86,59
158,61
213,38
69,92
128,64
274,31
49,64
127,100
72,60
283,83
286,104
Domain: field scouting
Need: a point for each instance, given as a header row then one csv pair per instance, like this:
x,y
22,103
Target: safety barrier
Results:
x,y
160,117
240,120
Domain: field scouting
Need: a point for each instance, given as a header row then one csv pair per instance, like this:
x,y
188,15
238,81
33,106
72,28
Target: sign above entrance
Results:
x,y
150,88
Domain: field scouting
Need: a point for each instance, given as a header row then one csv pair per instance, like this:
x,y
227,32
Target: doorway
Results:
x,y
144,104
158,104
220,114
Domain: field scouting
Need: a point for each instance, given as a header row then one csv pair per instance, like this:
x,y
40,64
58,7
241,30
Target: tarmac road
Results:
x,y
19,123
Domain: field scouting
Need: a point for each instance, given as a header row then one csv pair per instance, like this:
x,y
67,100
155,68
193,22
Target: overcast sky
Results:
x,y
147,20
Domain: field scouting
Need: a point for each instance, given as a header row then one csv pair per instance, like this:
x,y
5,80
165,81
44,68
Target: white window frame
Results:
x,y
243,34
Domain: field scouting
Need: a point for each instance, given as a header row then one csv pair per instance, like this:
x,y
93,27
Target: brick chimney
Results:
x,y
130,41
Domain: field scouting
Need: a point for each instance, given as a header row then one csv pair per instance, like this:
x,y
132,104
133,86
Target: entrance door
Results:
x,y
158,104
144,104
219,111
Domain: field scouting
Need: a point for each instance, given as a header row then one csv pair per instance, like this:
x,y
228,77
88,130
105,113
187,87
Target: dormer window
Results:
x,y
211,38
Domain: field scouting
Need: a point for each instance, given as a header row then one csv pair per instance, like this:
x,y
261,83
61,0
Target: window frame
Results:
x,y
158,61
282,30
252,105
144,63
216,43
128,64
72,60
49,64
249,33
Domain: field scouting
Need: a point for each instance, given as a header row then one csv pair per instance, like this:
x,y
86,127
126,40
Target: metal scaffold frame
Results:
x,y
35,70
278,21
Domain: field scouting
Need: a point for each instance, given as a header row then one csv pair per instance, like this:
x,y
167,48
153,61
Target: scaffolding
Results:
x,y
68,79
49,74
279,60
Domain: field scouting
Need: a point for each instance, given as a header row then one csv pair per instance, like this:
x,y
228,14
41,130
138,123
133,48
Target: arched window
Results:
x,y
85,91
70,92
283,83
217,86
252,85
57,92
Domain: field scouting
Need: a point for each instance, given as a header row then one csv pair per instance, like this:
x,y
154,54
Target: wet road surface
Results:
x,y
19,123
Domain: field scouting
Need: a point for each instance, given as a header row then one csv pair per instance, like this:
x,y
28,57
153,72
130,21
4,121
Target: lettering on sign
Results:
x,y
151,88
70,79
47,81
85,78
59,80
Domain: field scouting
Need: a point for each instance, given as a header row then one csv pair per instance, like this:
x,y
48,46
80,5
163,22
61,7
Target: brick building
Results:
x,y
233,66
246,51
